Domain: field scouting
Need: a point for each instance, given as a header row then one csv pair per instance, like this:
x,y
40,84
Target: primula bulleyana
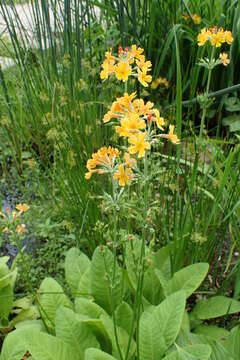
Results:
x,y
130,162
123,71
138,144
216,36
22,207
104,159
196,19
143,77
171,136
159,120
224,59
123,175
158,82
21,229
122,66
130,125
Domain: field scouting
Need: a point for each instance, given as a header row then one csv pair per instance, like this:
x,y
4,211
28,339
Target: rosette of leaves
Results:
x,y
81,326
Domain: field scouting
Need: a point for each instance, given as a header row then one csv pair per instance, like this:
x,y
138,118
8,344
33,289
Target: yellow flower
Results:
x,y
159,120
228,37
5,230
217,39
140,108
196,19
105,158
21,229
171,136
123,175
108,69
203,37
88,175
224,58
138,144
130,162
136,52
155,84
122,71
144,65
143,78
22,207
130,125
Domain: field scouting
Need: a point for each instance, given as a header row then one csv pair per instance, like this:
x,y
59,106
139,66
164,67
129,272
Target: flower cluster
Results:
x,y
195,18
216,36
133,118
102,161
128,63
158,82
107,160
11,220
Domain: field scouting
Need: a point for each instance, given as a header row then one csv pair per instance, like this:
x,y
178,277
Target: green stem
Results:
x,y
205,105
114,249
144,233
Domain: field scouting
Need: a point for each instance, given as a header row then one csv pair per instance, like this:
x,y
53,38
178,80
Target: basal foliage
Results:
x,y
81,326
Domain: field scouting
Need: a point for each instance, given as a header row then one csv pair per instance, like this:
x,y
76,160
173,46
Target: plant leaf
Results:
x,y
123,338
95,354
214,307
191,352
188,279
51,297
72,330
89,308
101,276
76,264
124,316
160,325
233,342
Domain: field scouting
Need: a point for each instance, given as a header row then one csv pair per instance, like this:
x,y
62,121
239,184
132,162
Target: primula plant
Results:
x,y
216,37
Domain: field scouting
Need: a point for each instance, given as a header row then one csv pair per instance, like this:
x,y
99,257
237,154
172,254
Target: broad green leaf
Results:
x,y
233,342
152,291
47,347
24,303
101,278
123,338
8,278
233,121
6,303
98,329
95,354
30,324
84,285
14,348
76,264
218,350
188,279
212,331
29,314
160,325
191,352
72,330
214,307
185,326
162,262
50,298
124,316
89,308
